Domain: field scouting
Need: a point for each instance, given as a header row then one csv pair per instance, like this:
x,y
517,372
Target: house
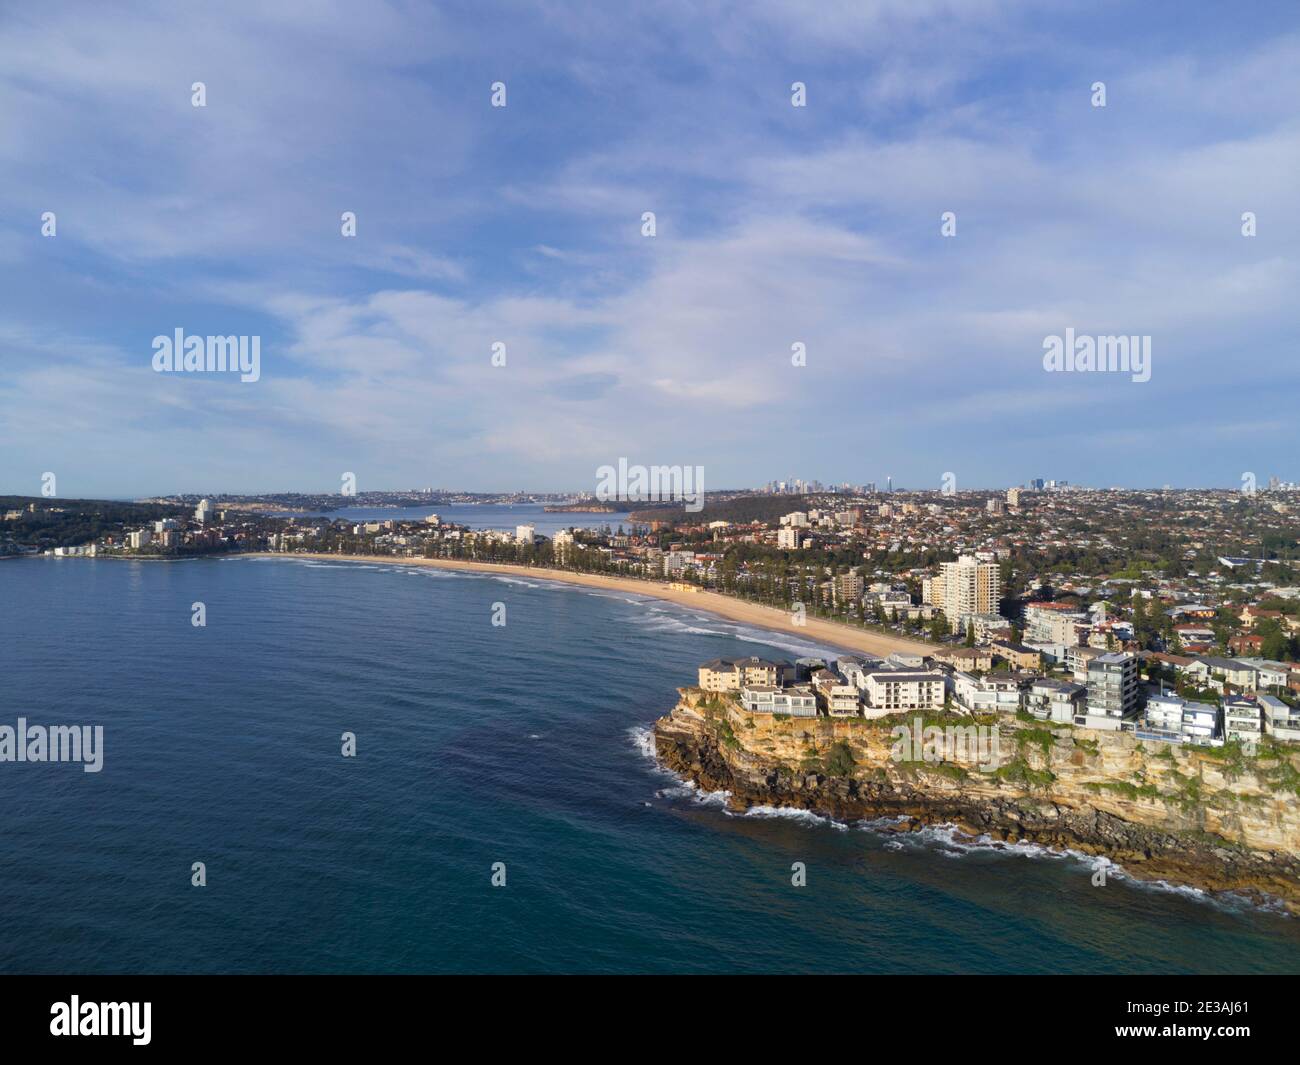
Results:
x,y
1268,674
986,626
893,691
1246,644
1281,721
1172,719
1055,700
1209,668
855,670
986,695
1201,723
966,658
1241,719
1163,719
769,699
1052,653
836,695
1018,655
1251,615
1193,611
1195,638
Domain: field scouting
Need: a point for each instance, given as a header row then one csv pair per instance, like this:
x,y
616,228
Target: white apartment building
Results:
x,y
676,561
985,695
893,691
789,538
525,534
1280,721
1045,623
769,699
562,542
1173,719
1055,700
1241,720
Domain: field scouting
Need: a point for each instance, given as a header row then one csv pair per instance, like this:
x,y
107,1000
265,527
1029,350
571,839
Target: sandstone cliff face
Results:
x,y
1213,819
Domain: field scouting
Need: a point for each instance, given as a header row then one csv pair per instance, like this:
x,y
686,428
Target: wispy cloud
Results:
x,y
523,226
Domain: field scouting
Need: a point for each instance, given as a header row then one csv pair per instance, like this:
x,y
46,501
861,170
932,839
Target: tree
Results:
x,y
970,634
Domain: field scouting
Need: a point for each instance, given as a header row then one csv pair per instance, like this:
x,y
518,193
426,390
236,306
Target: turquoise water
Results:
x,y
522,744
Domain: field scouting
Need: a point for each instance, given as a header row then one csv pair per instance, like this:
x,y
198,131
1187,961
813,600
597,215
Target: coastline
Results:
x,y
815,630
1236,834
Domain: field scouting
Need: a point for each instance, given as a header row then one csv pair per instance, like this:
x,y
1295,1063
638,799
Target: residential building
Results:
x,y
720,675
1054,623
1112,690
836,695
966,587
984,695
1208,669
1241,719
1020,656
985,626
1281,721
1268,675
1078,660
965,658
1055,700
769,699
848,587
893,691
563,543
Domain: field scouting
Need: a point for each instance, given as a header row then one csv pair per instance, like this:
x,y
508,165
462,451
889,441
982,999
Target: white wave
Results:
x,y
693,792
643,739
791,813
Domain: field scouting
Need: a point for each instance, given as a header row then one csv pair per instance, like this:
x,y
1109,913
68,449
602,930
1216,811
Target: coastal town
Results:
x,y
1171,614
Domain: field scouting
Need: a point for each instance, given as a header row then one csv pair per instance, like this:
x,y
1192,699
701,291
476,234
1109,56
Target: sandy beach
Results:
x,y
764,617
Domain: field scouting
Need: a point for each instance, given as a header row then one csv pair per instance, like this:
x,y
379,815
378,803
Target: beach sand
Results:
x,y
763,617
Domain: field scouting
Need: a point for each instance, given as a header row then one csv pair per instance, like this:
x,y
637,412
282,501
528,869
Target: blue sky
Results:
x,y
522,224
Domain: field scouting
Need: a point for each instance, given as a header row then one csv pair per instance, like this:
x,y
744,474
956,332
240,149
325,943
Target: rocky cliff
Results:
x,y
1217,819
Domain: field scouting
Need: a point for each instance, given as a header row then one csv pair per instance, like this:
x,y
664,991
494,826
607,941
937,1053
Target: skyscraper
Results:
x,y
966,587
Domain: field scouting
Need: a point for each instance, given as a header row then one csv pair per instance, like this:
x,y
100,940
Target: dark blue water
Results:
x,y
476,744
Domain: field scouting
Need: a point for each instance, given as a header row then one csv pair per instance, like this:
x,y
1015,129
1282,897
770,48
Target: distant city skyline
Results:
x,y
870,223
810,487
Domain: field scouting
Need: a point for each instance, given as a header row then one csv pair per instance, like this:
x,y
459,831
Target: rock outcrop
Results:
x,y
1216,819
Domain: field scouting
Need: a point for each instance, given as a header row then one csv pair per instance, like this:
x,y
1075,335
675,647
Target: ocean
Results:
x,y
522,747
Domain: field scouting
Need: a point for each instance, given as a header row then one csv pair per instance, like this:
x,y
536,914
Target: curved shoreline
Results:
x,y
769,618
